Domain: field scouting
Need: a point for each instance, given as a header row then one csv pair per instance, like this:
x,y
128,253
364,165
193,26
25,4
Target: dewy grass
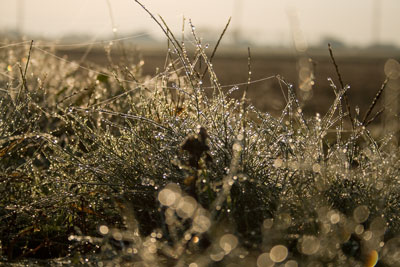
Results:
x,y
103,166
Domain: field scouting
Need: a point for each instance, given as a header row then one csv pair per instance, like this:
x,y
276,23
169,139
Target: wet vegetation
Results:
x,y
104,166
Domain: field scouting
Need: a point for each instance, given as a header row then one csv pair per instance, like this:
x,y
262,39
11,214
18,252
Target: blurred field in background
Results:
x,y
362,70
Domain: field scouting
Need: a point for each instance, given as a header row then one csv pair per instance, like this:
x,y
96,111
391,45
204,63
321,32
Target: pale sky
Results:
x,y
264,21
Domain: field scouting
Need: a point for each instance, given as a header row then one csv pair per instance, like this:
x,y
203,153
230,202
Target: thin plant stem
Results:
x,y
375,100
346,101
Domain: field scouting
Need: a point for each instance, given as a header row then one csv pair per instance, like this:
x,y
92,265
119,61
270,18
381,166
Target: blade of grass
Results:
x,y
375,100
217,45
346,101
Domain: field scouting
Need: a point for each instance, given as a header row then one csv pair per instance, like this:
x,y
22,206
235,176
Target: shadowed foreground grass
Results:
x,y
103,166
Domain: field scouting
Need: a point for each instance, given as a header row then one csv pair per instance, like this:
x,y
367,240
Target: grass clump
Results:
x,y
103,166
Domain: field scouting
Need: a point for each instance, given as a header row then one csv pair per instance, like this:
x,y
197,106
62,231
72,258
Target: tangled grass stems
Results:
x,y
176,175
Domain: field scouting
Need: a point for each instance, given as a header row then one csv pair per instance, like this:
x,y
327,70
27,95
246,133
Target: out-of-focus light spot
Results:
x,y
367,235
300,42
283,221
117,235
304,62
201,223
264,260
267,224
152,248
304,73
379,185
291,263
334,217
392,69
278,163
193,264
325,228
217,256
359,229
394,84
103,229
237,147
9,68
372,259
361,213
316,167
390,254
378,226
169,195
228,243
186,207
278,253
309,245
